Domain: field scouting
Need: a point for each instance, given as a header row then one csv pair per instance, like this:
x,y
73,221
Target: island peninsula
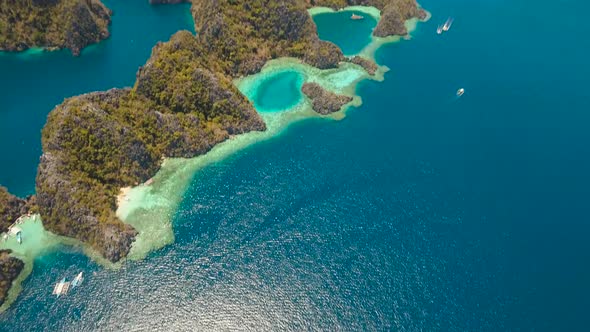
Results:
x,y
183,103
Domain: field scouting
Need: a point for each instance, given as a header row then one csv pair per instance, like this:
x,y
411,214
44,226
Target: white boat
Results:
x,y
460,92
78,280
439,30
447,25
61,287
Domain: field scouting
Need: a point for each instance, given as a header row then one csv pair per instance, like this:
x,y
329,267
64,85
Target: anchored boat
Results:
x,y
356,17
78,280
61,287
460,92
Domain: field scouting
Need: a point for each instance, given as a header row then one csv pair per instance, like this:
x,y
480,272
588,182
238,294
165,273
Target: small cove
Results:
x,y
352,36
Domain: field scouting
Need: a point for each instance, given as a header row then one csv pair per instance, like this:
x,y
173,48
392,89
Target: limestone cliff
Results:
x,y
10,268
324,102
368,65
72,24
241,35
11,208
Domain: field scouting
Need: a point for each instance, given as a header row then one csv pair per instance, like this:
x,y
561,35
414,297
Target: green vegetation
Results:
x,y
11,208
71,24
10,268
241,35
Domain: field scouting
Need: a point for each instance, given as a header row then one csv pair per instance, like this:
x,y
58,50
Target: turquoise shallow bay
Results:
x,y
279,92
417,211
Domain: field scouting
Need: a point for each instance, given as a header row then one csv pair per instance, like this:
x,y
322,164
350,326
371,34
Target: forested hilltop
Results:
x,y
182,104
72,24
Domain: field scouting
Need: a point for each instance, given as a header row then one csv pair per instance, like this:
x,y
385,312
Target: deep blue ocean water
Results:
x,y
32,85
418,211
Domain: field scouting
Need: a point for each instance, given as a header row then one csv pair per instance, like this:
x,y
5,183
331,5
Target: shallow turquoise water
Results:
x,y
418,211
351,35
32,84
278,92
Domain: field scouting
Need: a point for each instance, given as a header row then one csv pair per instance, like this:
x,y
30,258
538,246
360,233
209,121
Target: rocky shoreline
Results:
x,y
369,66
10,268
12,207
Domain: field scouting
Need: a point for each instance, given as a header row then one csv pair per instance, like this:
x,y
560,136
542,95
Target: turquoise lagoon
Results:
x,y
278,92
352,36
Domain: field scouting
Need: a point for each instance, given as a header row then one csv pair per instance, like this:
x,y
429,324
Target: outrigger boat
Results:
x,y
78,280
356,17
61,287
460,92
447,25
19,238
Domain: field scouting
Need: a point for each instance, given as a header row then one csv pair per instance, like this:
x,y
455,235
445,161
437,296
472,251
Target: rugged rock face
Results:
x,y
72,24
10,268
11,208
241,35
177,77
394,13
368,65
324,102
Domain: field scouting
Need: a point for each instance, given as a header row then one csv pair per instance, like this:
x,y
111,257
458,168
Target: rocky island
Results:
x,y
182,104
324,102
52,24
368,65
